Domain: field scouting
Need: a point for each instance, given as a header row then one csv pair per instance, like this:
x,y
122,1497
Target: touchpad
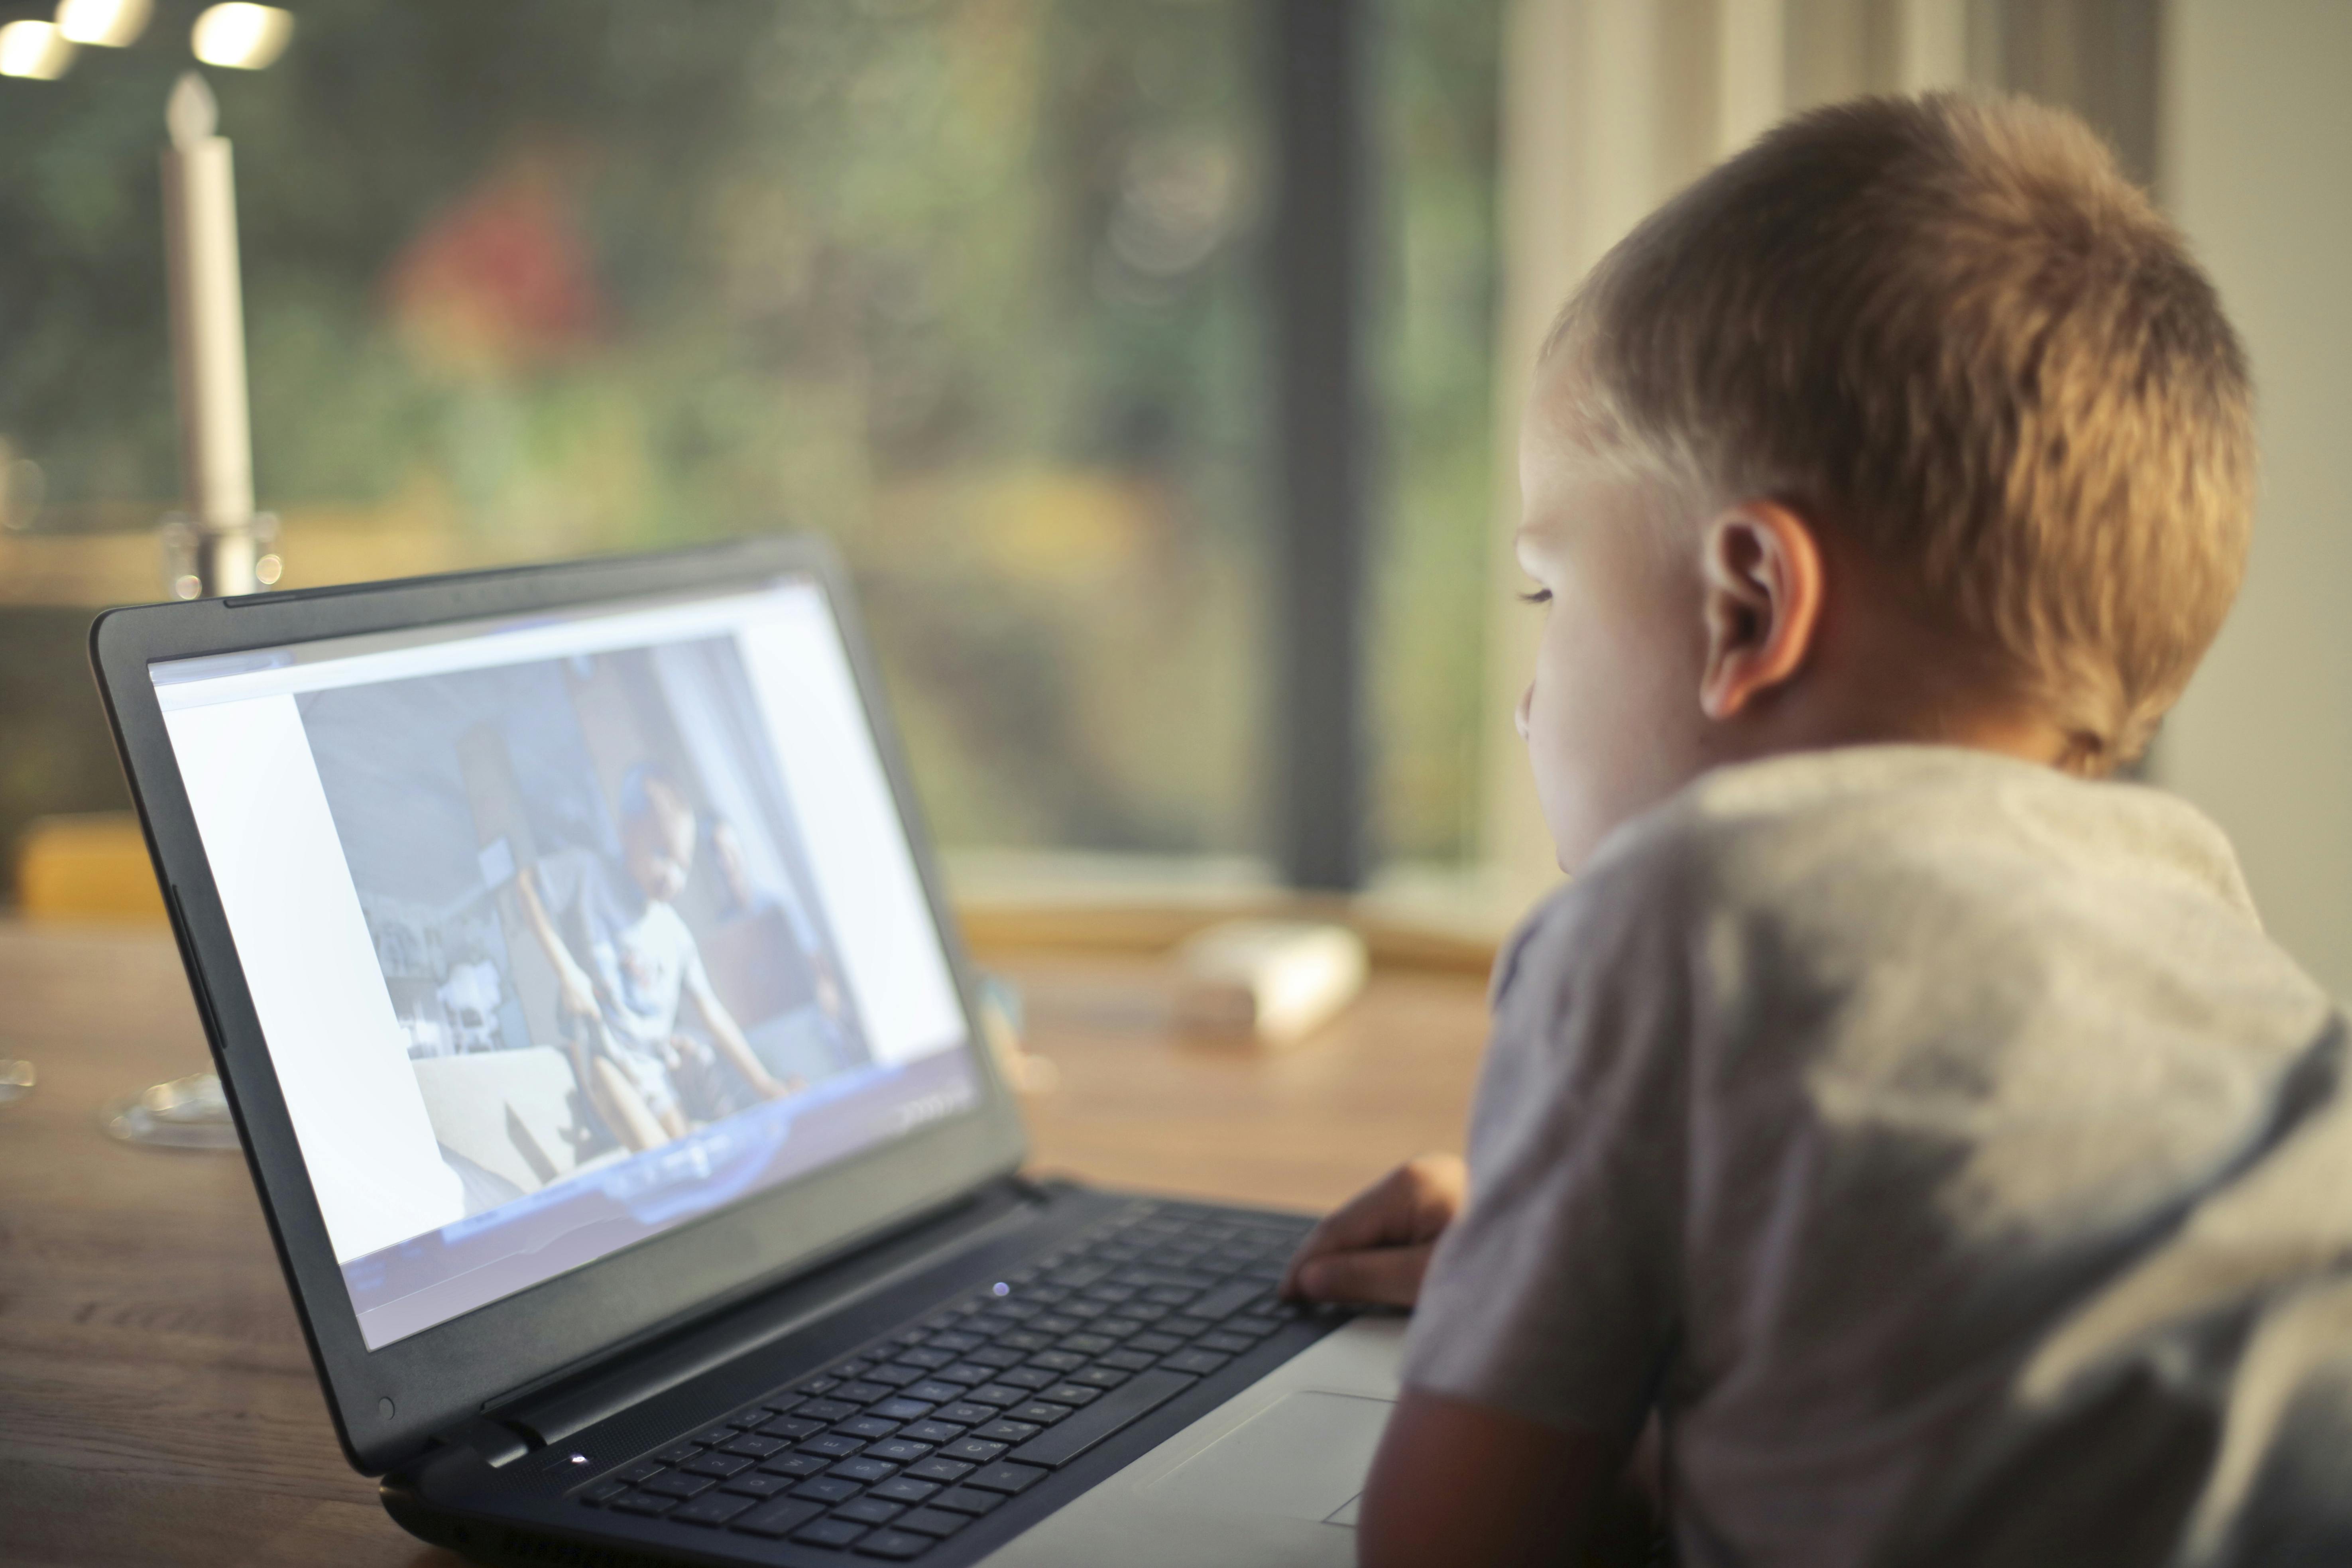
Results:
x,y
1303,1457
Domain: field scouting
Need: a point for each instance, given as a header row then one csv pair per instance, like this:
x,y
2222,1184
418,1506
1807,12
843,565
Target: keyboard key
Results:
x,y
964,1373
835,1532
828,1488
894,1545
905,1489
849,1369
963,1499
870,1510
719,1465
826,1410
933,1432
1058,1361
832,1445
643,1469
865,1393
712,1510
1202,1362
952,1339
1028,1377
868,1427
1101,1377
1089,1344
902,1409
1230,1344
1117,1328
864,1469
1010,1479
1250,1324
1007,1431
1065,1440
933,1391
756,1446
1038,1412
1187,1327
898,1450
1128,1361
926,1357
1071,1393
716,1436
643,1502
776,1404
1058,1323
792,1428
895,1374
1024,1341
968,1414
1001,1356
679,1453
971,1448
819,1385
794,1464
779,1518
936,1468
757,1483
932,1522
678,1484
998,1394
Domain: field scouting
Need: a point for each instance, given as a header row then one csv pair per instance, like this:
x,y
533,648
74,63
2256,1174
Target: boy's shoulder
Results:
x,y
1833,857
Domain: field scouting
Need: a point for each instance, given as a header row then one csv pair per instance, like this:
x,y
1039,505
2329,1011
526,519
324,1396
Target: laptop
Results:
x,y
578,972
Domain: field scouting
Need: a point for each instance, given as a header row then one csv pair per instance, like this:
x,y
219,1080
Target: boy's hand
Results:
x,y
1375,1248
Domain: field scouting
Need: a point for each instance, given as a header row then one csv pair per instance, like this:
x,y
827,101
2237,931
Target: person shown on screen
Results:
x,y
625,963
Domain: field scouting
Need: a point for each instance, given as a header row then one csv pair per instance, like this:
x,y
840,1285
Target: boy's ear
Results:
x,y
1762,589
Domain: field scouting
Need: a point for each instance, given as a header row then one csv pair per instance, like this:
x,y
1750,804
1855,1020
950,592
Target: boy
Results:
x,y
625,963
1924,1134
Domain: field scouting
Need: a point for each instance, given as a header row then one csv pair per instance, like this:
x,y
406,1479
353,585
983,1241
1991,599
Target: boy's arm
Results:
x,y
731,1043
1474,1487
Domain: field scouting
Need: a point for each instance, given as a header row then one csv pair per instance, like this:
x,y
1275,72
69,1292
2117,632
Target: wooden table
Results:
x,y
156,1404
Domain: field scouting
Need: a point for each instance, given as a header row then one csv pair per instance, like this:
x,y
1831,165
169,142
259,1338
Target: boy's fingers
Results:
x,y
1384,1276
1404,1208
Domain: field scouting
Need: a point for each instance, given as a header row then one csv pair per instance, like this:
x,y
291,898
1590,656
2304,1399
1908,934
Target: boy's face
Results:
x,y
1611,717
660,846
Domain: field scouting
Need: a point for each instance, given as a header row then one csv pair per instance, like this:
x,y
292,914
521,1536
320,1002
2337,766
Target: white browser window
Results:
x,y
562,930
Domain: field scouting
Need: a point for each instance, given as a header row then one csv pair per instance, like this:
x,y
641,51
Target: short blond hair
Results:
x,y
1949,328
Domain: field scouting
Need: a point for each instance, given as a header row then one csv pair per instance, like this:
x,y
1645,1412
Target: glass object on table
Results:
x,y
188,1112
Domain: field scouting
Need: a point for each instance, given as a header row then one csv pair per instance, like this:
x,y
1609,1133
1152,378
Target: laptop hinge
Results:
x,y
552,1414
497,1443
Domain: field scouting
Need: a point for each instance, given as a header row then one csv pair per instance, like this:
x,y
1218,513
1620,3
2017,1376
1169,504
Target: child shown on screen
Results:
x,y
626,963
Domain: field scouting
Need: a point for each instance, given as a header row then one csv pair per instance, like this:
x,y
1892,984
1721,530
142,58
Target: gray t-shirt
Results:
x,y
1939,1145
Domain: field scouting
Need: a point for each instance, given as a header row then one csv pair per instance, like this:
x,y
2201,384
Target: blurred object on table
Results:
x,y
16,1080
188,1112
1272,982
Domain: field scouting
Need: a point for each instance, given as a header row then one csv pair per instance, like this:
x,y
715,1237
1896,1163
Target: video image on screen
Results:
x,y
591,902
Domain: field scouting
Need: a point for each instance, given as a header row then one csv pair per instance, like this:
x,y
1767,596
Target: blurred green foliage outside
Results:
x,y
973,285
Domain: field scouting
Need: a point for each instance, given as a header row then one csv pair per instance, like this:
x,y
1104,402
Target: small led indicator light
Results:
x,y
1002,1289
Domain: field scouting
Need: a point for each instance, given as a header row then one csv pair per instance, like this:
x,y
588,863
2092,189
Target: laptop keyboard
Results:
x,y
889,1452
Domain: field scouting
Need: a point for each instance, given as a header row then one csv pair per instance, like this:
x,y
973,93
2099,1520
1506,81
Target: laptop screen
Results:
x,y
565,931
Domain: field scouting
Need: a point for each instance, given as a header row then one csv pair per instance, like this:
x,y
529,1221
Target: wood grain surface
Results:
x,y
157,1406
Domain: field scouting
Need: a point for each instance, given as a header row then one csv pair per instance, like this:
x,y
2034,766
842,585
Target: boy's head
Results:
x,y
658,832
1915,420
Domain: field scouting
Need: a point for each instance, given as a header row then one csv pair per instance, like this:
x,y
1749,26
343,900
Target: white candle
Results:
x,y
208,338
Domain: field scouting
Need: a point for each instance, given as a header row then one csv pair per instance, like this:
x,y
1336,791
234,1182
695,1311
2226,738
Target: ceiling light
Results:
x,y
109,23
241,35
35,50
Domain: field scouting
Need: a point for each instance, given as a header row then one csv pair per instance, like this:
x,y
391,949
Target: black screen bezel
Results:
x,y
435,1379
